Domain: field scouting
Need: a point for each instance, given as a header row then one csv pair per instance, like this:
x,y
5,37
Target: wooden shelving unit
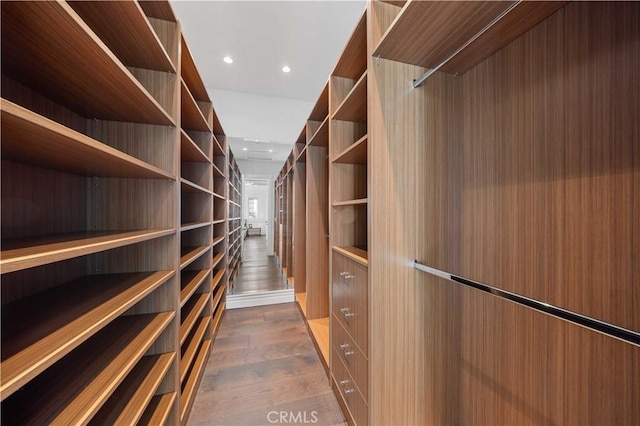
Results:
x,y
95,298
235,230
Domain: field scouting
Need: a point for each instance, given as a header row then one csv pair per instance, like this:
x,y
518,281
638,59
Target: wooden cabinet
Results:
x,y
109,299
235,234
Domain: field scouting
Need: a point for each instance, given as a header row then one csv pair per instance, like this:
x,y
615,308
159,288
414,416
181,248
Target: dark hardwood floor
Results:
x,y
263,366
258,272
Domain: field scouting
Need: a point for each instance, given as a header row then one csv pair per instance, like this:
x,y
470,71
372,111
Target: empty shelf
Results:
x,y
302,302
190,74
31,138
129,401
31,252
191,280
192,345
61,318
353,61
354,253
190,113
217,297
321,136
189,254
194,225
360,201
217,240
354,154
217,317
189,388
321,108
190,151
188,186
75,388
133,40
190,313
217,278
354,106
41,33
158,410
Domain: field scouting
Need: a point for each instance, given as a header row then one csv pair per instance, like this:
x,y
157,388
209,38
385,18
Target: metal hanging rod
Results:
x,y
418,81
611,330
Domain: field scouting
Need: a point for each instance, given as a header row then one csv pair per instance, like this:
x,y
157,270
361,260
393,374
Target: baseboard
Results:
x,y
235,301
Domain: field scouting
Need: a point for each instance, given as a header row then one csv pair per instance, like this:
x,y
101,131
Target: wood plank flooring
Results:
x,y
263,363
258,272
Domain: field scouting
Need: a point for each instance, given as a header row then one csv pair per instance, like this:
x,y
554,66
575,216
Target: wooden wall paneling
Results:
x,y
344,134
353,61
397,392
37,201
353,182
24,96
158,9
349,226
339,88
153,144
300,227
169,35
312,127
202,139
317,277
196,207
551,165
198,173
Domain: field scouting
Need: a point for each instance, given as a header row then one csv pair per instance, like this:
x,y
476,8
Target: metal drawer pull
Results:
x,y
343,383
345,350
345,312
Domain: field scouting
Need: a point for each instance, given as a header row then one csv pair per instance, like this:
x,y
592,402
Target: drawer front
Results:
x,y
350,298
350,394
352,357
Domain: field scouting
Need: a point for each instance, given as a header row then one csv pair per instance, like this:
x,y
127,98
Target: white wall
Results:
x,y
258,169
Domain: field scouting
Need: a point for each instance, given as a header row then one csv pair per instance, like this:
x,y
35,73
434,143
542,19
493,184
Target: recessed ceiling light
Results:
x,y
270,150
286,68
228,59
244,149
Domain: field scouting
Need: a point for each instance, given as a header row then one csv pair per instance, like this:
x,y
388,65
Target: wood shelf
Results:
x,y
357,202
193,225
194,308
129,402
158,9
321,136
215,324
190,113
134,41
190,75
61,318
354,253
188,186
218,151
234,203
217,297
192,346
30,138
37,251
438,30
111,94
217,240
354,106
354,154
191,281
77,386
219,221
217,258
217,278
220,197
353,61
159,409
302,302
218,172
190,151
321,108
191,385
190,254
320,332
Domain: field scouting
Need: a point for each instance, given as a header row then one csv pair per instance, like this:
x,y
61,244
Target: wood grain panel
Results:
x,y
350,298
317,277
159,85
352,180
353,61
35,38
169,35
37,201
354,106
135,43
551,164
320,110
289,225
158,9
344,385
300,227
426,33
354,154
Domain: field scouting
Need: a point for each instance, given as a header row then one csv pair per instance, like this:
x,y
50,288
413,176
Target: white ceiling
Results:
x,y
261,37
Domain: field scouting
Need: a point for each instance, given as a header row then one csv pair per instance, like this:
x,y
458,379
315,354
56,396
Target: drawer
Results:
x,y
350,298
352,357
350,394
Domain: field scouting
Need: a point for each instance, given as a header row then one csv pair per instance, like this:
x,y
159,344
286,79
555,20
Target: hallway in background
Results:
x,y
258,272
